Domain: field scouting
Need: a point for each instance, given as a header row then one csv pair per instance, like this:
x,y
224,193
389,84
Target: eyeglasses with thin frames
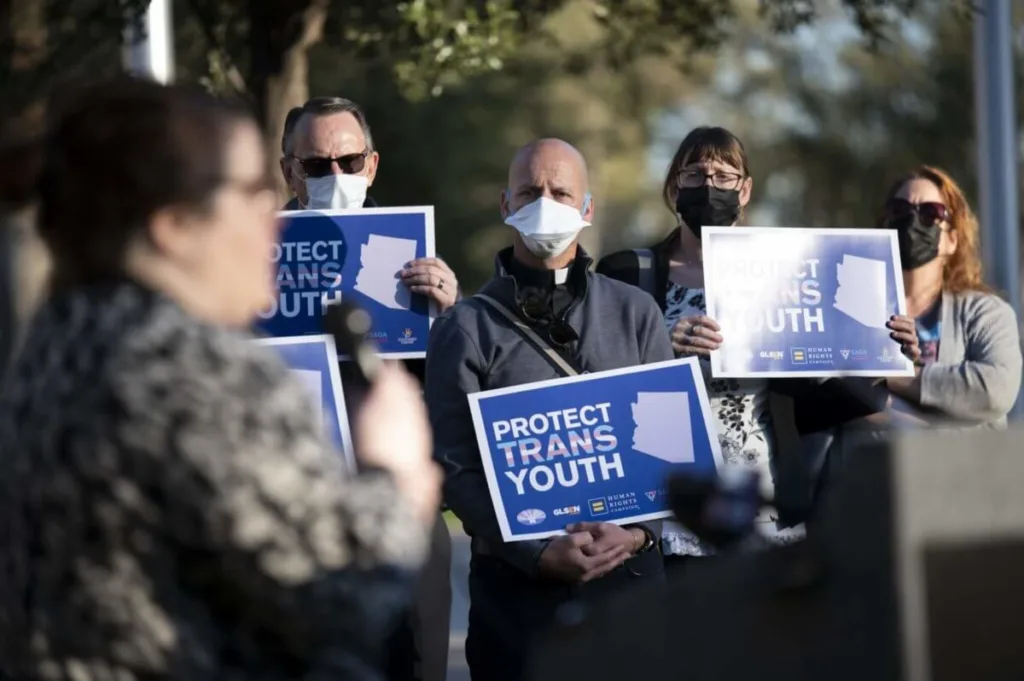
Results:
x,y
688,179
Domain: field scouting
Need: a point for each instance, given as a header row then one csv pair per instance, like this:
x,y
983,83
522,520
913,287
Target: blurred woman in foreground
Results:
x,y
970,367
169,507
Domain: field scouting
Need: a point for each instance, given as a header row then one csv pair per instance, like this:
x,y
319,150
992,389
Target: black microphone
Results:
x,y
719,509
350,325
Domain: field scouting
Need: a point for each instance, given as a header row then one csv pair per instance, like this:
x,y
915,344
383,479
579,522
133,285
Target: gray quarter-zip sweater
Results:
x,y
472,348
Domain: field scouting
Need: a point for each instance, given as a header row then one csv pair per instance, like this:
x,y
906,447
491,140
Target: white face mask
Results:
x,y
548,227
335,192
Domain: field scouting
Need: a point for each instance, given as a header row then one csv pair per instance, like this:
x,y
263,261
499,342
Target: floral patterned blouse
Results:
x,y
740,412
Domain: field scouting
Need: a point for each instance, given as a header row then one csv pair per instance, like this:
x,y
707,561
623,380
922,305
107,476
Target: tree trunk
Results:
x,y
23,36
279,40
25,260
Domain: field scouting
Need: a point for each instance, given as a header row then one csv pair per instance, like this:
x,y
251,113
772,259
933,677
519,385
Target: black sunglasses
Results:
x,y
930,212
318,166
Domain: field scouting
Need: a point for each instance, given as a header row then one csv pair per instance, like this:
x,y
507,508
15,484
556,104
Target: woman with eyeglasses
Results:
x,y
761,423
170,506
969,370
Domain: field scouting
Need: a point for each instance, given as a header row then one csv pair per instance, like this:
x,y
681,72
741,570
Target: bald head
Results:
x,y
546,167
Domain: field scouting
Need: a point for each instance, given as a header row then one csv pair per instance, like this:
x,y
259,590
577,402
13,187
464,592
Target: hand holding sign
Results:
x,y
696,335
433,278
904,332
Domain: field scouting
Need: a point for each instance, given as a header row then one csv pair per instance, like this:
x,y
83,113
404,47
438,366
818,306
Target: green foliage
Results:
x,y
908,105
445,48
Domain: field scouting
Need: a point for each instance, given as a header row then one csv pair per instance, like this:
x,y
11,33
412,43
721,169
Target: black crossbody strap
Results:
x,y
645,271
531,337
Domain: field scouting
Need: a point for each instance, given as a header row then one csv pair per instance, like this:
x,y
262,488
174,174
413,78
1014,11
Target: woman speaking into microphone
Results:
x,y
169,507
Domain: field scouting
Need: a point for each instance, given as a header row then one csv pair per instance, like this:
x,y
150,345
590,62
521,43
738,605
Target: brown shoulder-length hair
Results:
x,y
704,144
962,271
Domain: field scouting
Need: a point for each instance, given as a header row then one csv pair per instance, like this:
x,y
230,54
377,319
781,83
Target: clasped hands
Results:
x,y
589,551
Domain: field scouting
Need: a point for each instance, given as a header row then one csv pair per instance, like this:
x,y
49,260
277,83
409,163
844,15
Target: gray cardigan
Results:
x,y
977,374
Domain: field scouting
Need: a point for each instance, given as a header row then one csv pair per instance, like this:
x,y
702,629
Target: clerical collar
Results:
x,y
528,277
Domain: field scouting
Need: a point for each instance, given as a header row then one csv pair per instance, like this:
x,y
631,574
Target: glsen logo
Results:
x,y
799,355
568,510
771,354
598,506
651,496
885,356
845,353
407,338
531,516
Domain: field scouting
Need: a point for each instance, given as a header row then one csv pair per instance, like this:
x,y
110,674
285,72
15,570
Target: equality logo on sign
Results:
x,y
325,257
592,446
810,291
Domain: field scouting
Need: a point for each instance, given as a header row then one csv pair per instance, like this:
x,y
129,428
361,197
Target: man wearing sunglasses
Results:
x,y
581,322
329,162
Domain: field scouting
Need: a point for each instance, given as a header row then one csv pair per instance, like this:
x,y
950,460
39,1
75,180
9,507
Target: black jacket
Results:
x,y
799,407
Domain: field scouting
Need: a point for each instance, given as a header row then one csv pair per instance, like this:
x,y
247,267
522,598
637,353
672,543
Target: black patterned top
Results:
x,y
170,510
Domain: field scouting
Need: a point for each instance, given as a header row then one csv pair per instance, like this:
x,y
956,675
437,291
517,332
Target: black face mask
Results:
x,y
919,243
699,206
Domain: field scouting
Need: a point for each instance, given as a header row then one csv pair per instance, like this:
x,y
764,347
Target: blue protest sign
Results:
x,y
314,361
326,256
596,447
804,302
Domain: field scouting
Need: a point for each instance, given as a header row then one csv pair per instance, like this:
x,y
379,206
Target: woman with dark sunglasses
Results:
x,y
970,365
772,426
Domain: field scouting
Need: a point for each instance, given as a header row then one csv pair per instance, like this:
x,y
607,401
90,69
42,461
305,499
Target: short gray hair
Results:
x,y
289,126
323,106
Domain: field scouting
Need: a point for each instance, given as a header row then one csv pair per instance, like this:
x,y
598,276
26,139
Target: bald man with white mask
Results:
x,y
594,324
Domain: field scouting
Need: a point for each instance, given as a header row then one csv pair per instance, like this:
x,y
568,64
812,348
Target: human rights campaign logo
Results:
x,y
592,446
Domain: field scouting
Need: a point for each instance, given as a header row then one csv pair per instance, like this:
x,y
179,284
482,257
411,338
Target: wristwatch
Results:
x,y
650,541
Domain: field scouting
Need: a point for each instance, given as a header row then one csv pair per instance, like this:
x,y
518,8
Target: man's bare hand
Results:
x,y
608,536
563,559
